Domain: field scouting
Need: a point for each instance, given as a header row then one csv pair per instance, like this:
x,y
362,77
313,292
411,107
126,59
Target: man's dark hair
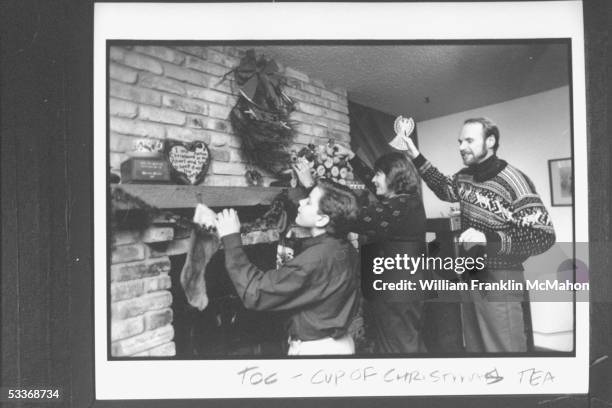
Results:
x,y
489,129
339,203
400,173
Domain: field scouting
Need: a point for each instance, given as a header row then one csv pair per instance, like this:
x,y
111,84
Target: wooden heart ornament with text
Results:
x,y
188,161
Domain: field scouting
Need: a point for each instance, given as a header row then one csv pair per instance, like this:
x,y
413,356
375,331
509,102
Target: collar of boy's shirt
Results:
x,y
311,241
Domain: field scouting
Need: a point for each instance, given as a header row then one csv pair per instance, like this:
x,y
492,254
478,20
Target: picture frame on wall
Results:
x,y
561,182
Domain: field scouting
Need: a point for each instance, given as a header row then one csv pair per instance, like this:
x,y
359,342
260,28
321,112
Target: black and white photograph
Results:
x,y
560,181
203,128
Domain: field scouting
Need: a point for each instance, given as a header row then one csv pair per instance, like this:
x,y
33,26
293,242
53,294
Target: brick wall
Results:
x,y
141,314
176,93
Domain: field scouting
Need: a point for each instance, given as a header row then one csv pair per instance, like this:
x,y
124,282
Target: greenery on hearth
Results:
x,y
141,213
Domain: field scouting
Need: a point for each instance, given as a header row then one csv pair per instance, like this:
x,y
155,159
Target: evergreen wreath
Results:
x,y
261,114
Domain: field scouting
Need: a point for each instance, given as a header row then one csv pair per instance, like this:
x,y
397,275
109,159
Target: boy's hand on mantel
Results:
x,y
228,222
204,216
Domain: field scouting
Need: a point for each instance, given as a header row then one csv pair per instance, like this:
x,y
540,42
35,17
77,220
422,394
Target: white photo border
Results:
x,y
194,379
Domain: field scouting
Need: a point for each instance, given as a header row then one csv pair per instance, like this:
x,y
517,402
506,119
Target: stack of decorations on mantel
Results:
x,y
325,162
261,117
170,161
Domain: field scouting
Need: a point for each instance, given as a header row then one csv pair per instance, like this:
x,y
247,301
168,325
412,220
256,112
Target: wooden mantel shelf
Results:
x,y
180,196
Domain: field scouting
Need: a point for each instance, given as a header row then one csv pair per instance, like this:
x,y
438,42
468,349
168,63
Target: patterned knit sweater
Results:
x,y
499,200
401,217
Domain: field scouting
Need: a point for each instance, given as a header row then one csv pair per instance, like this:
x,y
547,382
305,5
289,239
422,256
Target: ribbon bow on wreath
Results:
x,y
261,115
253,74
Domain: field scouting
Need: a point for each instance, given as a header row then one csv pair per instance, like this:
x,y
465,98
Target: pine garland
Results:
x,y
120,196
275,217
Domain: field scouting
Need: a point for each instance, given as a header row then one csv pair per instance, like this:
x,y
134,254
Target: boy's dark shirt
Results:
x,y
320,285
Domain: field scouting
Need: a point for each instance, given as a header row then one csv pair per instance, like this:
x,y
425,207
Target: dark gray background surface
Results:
x,y
47,253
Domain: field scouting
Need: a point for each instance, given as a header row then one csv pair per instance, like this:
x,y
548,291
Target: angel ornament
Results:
x,y
403,129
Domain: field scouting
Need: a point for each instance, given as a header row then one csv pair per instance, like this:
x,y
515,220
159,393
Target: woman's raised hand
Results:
x,y
302,170
412,151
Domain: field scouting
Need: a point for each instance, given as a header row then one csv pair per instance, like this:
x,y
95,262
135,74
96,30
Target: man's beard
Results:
x,y
473,158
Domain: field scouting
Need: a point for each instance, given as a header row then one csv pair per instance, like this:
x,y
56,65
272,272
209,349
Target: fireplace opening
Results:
x,y
225,327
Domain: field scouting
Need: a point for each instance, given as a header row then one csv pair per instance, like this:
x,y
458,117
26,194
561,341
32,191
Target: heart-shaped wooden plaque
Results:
x,y
188,161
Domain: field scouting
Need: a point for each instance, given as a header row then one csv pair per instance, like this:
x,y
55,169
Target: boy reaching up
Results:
x,y
320,286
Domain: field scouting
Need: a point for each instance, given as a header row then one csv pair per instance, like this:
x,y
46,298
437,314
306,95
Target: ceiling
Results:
x,y
430,80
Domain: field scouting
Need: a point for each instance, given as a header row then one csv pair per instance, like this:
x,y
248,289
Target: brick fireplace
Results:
x,y
176,92
140,294
147,257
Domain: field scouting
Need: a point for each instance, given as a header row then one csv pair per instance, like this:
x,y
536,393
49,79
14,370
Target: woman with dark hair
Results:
x,y
394,223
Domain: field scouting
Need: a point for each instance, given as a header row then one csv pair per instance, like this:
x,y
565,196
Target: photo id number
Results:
x,y
38,394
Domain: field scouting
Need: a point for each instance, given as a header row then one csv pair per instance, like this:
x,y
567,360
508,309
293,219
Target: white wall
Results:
x,y
533,129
